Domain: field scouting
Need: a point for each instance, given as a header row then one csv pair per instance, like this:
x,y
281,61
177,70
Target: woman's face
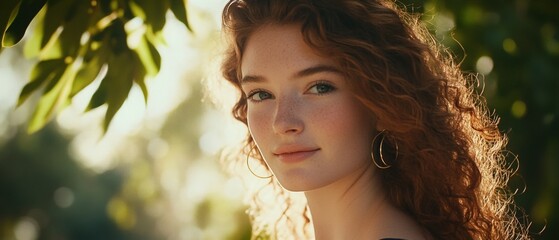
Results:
x,y
308,126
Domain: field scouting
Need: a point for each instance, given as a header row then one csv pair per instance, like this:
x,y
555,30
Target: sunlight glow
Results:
x,y
167,90
201,179
179,179
219,131
158,148
12,70
233,189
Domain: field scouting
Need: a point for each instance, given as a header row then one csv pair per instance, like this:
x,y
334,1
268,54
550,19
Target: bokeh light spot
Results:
x,y
158,148
548,119
68,60
549,34
518,109
472,15
121,213
484,65
509,46
63,197
26,229
444,22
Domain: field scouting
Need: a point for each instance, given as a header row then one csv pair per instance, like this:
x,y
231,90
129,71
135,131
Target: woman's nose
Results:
x,y
287,118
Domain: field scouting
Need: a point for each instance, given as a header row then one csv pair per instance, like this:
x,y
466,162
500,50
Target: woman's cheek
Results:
x,y
258,122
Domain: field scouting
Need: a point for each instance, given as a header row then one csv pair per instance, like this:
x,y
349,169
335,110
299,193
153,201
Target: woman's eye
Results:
x,y
258,96
321,88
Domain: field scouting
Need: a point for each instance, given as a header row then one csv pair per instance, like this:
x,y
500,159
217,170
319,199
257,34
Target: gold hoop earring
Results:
x,y
250,169
384,164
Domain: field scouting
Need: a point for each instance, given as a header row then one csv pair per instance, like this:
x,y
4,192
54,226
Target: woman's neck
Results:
x,y
355,207
342,208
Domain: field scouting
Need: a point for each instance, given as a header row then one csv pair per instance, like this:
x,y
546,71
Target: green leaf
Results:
x,y
93,61
122,65
154,13
140,76
43,72
77,24
8,9
178,7
137,10
140,80
114,39
32,46
28,9
99,97
155,56
88,72
55,17
55,79
51,102
149,56
117,36
118,82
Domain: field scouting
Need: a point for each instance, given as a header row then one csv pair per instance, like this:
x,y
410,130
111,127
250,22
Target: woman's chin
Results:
x,y
298,183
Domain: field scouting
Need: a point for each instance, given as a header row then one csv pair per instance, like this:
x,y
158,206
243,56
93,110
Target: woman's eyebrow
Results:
x,y
316,69
252,79
303,73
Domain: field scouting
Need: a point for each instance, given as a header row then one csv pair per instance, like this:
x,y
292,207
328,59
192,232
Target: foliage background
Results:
x,y
156,173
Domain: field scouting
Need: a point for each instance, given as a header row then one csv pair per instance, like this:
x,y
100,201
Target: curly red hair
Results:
x,y
450,174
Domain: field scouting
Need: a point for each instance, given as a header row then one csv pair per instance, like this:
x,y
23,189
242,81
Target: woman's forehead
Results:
x,y
279,46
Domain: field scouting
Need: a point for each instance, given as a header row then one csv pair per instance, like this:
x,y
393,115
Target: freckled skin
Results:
x,y
294,113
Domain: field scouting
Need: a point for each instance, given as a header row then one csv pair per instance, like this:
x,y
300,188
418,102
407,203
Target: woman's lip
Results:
x,y
292,157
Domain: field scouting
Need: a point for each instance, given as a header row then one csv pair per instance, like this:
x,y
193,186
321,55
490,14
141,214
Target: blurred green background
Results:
x,y
155,174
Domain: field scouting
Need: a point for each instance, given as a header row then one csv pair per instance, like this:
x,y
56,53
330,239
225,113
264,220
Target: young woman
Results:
x,y
352,103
